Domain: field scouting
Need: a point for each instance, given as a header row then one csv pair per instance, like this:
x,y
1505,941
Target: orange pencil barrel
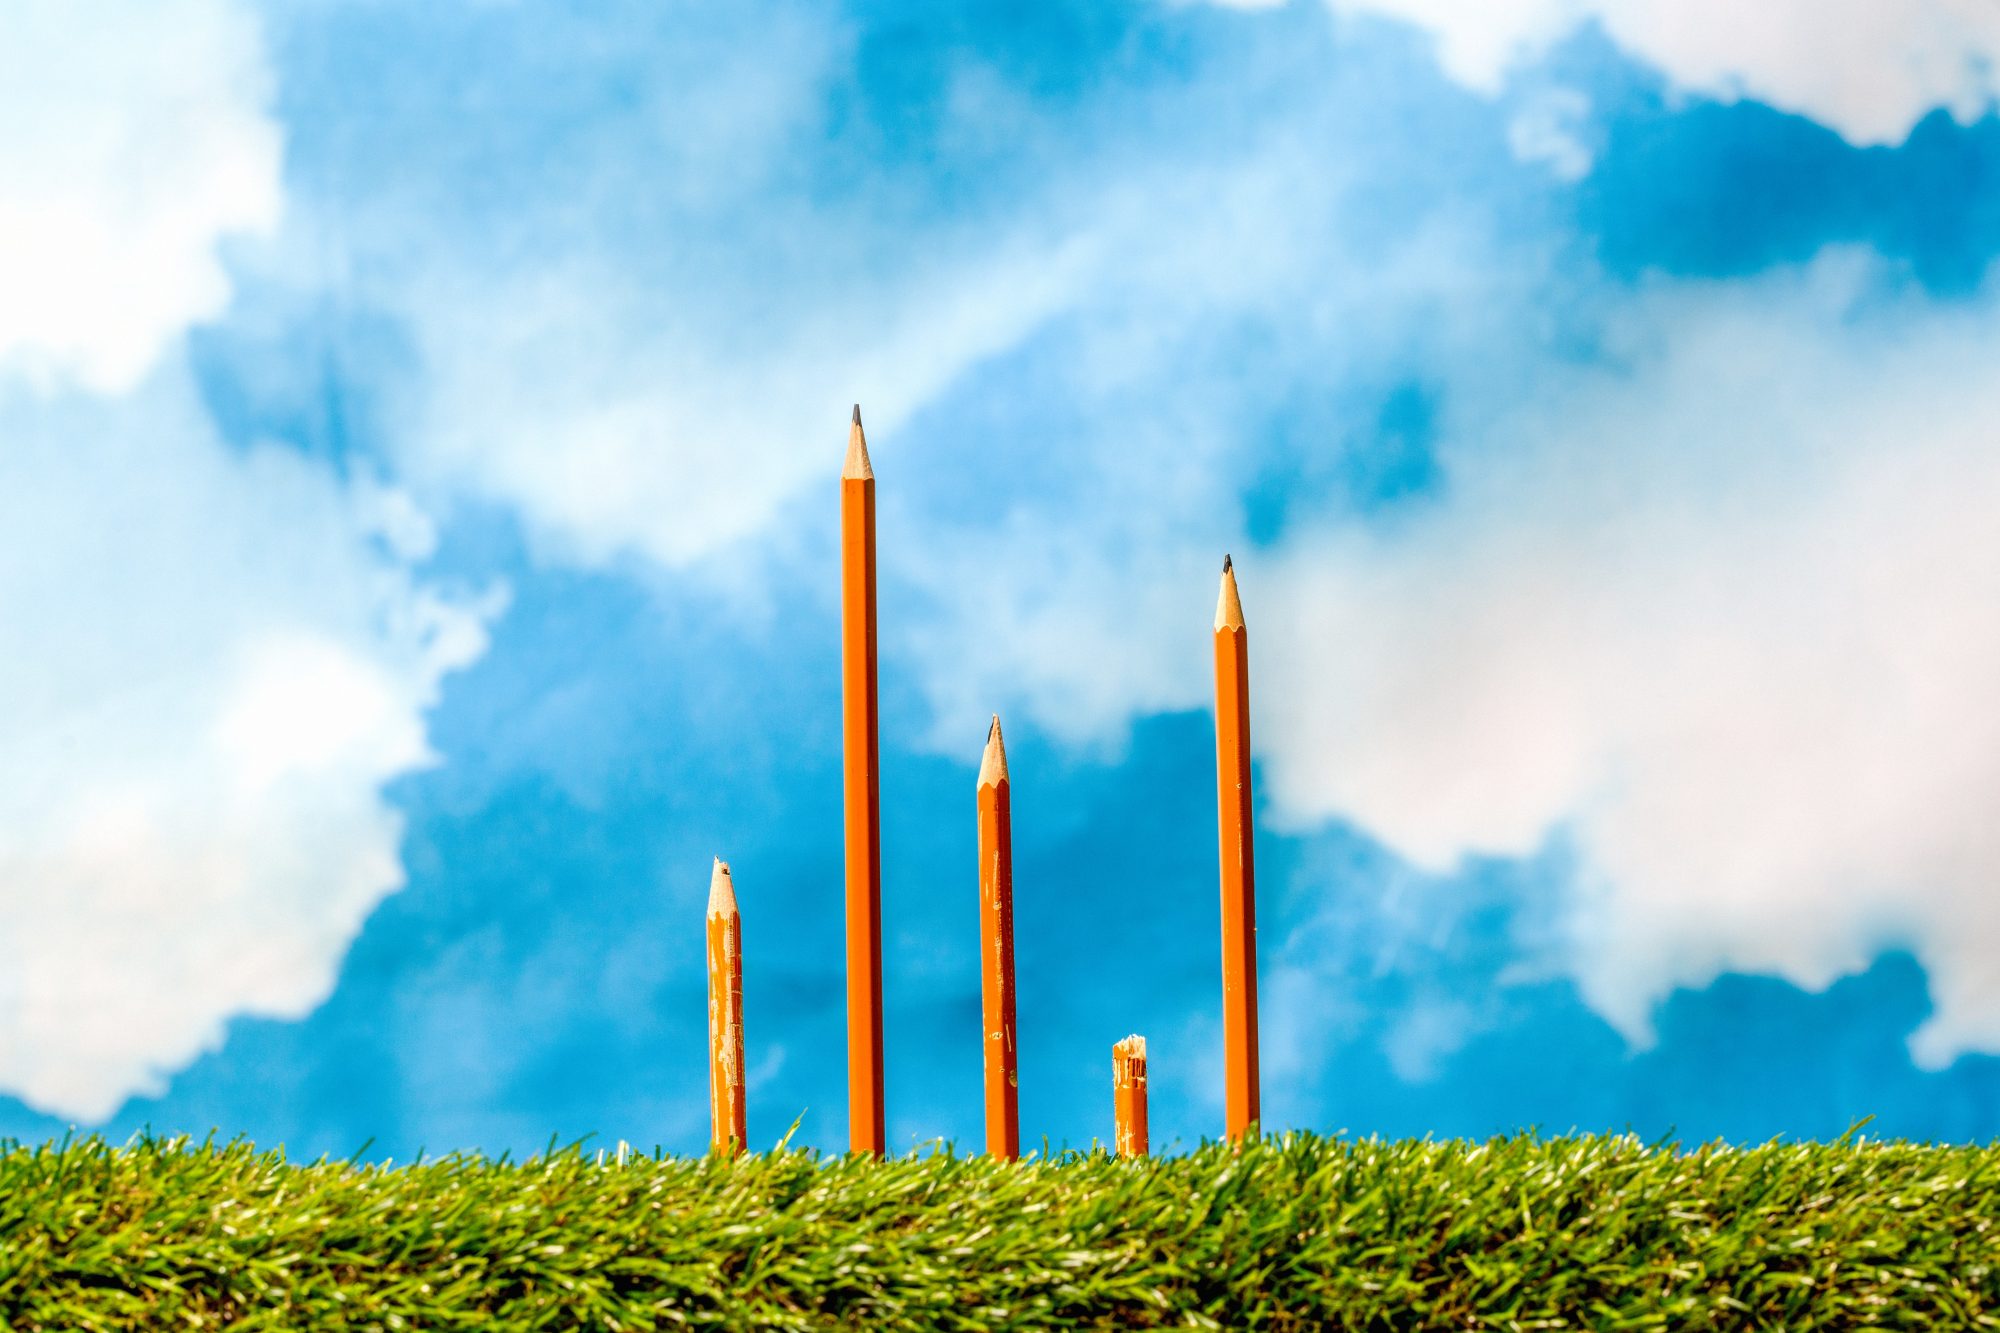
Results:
x,y
996,948
1239,893
727,1111
863,797
1128,1096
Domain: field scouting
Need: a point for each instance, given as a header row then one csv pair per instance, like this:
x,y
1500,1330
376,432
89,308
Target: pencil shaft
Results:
x,y
728,1111
863,811
1239,903
996,955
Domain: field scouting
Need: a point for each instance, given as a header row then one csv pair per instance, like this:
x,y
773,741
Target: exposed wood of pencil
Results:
x,y
727,1109
1128,1096
996,947
863,796
1239,894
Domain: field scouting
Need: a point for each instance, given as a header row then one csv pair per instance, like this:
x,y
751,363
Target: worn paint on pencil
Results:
x,y
728,1111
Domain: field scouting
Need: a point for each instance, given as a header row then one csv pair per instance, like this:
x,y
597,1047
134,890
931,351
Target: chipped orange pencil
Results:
x,y
1239,894
996,947
1128,1097
863,796
727,1111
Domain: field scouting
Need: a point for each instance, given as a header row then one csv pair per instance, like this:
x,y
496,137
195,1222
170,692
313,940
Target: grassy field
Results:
x,y
1298,1232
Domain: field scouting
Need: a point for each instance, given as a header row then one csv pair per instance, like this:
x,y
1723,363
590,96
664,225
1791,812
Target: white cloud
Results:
x,y
136,139
1548,128
652,356
1091,605
1721,613
1866,69
616,430
218,659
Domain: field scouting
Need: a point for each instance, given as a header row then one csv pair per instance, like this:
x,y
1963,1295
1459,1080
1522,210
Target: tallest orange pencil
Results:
x,y
864,796
1239,892
996,947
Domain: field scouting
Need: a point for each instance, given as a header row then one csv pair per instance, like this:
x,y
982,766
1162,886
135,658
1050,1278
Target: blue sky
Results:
x,y
418,440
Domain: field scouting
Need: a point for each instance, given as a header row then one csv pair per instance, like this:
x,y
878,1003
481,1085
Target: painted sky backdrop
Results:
x,y
419,440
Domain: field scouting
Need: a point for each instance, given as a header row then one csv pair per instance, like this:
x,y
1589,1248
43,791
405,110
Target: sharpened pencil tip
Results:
x,y
721,890
858,467
993,763
1228,604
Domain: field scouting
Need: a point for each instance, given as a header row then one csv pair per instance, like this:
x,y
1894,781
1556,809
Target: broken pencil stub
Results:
x,y
1128,1096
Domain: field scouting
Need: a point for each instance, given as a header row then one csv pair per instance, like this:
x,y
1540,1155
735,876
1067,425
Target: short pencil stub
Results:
x,y
1130,1135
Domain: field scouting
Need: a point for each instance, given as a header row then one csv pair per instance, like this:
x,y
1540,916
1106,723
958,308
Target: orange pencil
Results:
x,y
1128,1096
1239,895
863,797
996,947
726,1108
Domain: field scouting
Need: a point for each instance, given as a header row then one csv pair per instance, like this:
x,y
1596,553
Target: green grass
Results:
x,y
1298,1232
